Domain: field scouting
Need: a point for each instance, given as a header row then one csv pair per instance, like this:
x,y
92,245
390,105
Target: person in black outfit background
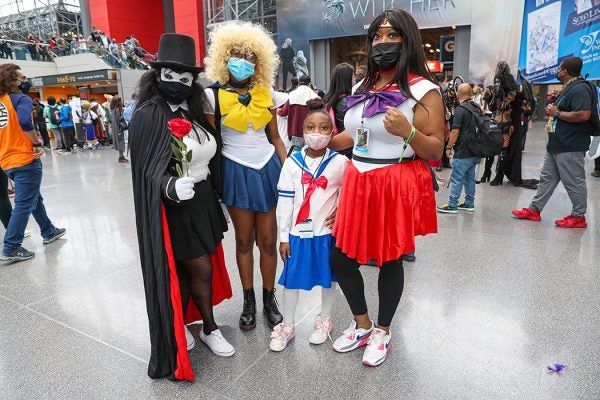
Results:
x,y
342,79
288,54
510,163
40,122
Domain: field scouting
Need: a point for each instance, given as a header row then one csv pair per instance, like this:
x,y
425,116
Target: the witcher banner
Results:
x,y
555,29
300,21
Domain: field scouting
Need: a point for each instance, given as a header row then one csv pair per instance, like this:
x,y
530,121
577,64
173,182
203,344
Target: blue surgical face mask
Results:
x,y
240,68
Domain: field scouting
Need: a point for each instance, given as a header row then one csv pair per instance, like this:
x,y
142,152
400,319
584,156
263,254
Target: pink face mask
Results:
x,y
316,141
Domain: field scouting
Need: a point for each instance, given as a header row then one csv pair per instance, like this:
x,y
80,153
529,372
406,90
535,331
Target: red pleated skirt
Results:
x,y
381,211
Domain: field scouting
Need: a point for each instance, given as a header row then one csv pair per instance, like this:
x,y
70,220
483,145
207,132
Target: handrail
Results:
x,y
22,42
100,52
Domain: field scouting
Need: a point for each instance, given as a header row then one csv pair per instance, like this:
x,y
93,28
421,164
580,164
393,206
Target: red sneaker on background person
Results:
x,y
527,213
571,221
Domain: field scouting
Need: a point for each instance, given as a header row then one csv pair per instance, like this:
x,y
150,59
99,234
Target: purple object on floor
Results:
x,y
556,368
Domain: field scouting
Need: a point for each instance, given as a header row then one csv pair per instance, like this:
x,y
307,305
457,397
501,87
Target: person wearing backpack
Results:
x,y
568,141
67,125
52,114
463,159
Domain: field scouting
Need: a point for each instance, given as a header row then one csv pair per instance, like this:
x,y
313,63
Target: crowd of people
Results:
x,y
331,200
329,214
349,181
128,54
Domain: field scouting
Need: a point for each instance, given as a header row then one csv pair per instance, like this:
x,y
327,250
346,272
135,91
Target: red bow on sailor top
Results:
x,y
313,184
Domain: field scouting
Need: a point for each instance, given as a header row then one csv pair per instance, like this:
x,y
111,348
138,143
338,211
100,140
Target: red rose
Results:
x,y
179,127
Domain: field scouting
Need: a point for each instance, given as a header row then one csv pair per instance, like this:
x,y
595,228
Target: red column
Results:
x,y
189,20
119,19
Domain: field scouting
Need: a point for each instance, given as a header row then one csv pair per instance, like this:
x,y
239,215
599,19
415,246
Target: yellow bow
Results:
x,y
239,116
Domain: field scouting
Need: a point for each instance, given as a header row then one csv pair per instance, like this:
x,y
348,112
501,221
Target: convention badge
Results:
x,y
305,229
550,125
362,140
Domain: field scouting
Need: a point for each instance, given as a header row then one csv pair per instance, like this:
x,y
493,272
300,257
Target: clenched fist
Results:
x,y
396,123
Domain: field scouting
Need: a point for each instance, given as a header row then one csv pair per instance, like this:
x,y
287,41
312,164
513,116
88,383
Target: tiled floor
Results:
x,y
489,303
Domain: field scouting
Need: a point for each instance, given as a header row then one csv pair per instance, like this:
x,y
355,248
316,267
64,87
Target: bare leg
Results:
x,y
244,223
266,238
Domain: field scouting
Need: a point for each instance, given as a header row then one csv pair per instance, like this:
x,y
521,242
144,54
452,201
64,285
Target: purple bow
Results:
x,y
376,101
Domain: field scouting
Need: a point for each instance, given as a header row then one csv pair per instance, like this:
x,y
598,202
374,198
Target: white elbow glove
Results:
x,y
184,187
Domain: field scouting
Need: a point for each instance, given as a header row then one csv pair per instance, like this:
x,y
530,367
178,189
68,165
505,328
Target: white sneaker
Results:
x,y
26,234
217,343
352,338
282,334
323,327
378,348
191,342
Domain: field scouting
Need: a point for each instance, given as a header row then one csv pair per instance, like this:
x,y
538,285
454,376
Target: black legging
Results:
x,y
390,285
195,280
5,206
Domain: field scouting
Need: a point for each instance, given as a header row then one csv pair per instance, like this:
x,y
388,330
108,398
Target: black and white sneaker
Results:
x,y
60,232
18,254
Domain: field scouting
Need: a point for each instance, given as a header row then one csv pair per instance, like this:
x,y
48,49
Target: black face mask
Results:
x,y
386,55
175,92
25,86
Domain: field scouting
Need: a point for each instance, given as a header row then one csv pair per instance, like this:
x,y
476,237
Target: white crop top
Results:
x,y
383,144
250,148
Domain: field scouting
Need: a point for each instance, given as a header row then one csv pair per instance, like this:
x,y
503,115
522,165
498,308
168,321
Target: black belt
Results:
x,y
369,160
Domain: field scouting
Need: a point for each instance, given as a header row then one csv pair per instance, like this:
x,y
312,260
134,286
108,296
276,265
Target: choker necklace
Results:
x,y
239,85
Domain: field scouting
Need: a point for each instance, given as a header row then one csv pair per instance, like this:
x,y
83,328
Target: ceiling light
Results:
x,y
431,50
437,50
427,45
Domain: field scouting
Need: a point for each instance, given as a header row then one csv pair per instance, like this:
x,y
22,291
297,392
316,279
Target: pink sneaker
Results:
x,y
282,334
352,338
322,331
378,348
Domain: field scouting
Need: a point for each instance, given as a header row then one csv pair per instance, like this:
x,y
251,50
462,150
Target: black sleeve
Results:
x,y
459,117
580,98
151,151
339,113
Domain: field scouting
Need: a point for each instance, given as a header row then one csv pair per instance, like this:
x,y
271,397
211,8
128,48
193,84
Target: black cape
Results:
x,y
149,142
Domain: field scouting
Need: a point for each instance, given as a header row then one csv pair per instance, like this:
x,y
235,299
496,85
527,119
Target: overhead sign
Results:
x,y
301,21
447,49
434,66
555,29
75,78
340,18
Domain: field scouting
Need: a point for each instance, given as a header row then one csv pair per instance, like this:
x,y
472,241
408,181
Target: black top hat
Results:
x,y
177,52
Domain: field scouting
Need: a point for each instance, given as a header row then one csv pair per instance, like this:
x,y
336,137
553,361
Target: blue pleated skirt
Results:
x,y
249,188
309,264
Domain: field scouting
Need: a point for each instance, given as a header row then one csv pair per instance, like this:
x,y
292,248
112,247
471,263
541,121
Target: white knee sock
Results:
x,y
327,296
290,301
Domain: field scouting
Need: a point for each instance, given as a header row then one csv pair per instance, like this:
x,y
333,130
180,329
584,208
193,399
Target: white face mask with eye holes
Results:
x,y
168,75
175,86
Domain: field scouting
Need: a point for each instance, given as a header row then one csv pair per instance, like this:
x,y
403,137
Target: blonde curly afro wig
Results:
x,y
246,38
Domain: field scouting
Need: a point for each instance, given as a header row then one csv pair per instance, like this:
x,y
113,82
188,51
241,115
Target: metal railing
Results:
x,y
122,57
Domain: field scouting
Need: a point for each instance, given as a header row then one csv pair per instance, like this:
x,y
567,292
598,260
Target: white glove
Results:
x,y
184,187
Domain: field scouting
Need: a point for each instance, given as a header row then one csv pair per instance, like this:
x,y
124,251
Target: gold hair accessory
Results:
x,y
386,24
